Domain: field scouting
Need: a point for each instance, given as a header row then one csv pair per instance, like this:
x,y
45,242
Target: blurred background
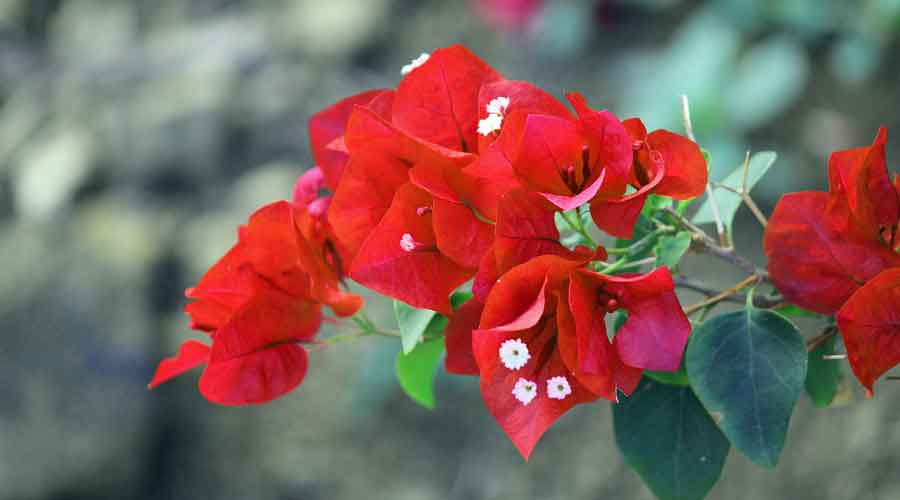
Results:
x,y
135,136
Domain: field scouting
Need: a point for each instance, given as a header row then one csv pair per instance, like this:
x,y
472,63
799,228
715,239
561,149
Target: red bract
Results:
x,y
541,346
438,101
834,253
870,326
327,127
817,256
664,163
257,303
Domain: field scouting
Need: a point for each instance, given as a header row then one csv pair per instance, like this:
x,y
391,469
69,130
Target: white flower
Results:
x,y
498,105
524,391
488,125
514,354
558,388
407,243
415,63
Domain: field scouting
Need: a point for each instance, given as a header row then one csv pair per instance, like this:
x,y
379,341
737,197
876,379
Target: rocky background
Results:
x,y
135,137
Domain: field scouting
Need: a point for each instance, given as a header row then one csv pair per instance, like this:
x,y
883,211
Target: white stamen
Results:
x,y
558,388
498,105
407,244
525,391
415,63
514,354
486,126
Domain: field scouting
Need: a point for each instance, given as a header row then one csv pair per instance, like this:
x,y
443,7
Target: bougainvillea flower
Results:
x,y
666,164
328,125
541,346
438,101
458,338
520,313
870,325
260,301
509,15
860,175
818,255
400,258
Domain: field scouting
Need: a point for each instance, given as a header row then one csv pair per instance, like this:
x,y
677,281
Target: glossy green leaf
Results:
x,y
671,248
412,323
729,202
679,377
669,439
748,368
823,378
415,371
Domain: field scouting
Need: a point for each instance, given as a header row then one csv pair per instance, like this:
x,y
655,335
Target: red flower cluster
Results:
x,y
262,299
456,175
836,252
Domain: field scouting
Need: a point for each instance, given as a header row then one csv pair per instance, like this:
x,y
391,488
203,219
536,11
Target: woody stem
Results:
x,y
715,299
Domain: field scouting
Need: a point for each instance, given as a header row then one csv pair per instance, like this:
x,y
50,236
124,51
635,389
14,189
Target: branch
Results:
x,y
710,246
715,299
717,215
821,338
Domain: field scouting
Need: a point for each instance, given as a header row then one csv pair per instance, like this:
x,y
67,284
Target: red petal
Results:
x,y
486,276
423,277
618,217
364,195
438,101
460,359
583,343
524,424
328,125
817,255
685,167
190,355
610,146
870,325
459,233
525,229
524,99
861,175
257,377
549,146
656,331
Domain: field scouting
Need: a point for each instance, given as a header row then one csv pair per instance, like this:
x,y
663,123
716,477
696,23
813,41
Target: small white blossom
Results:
x,y
514,354
407,243
558,388
415,63
498,105
486,126
525,391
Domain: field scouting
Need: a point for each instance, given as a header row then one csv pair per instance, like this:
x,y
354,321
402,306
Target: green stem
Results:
x,y
573,220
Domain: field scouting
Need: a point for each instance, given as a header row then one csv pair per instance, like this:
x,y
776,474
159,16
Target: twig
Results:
x,y
759,301
834,357
717,214
750,280
821,338
710,246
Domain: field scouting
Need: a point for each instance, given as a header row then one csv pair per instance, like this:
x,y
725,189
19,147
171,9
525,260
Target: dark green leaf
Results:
x,y
459,298
412,323
748,367
416,370
670,248
823,378
667,437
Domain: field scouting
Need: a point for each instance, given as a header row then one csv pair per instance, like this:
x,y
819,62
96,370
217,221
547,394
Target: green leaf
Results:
x,y
666,436
459,298
823,378
748,368
679,377
792,311
670,249
415,371
412,322
642,228
729,202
